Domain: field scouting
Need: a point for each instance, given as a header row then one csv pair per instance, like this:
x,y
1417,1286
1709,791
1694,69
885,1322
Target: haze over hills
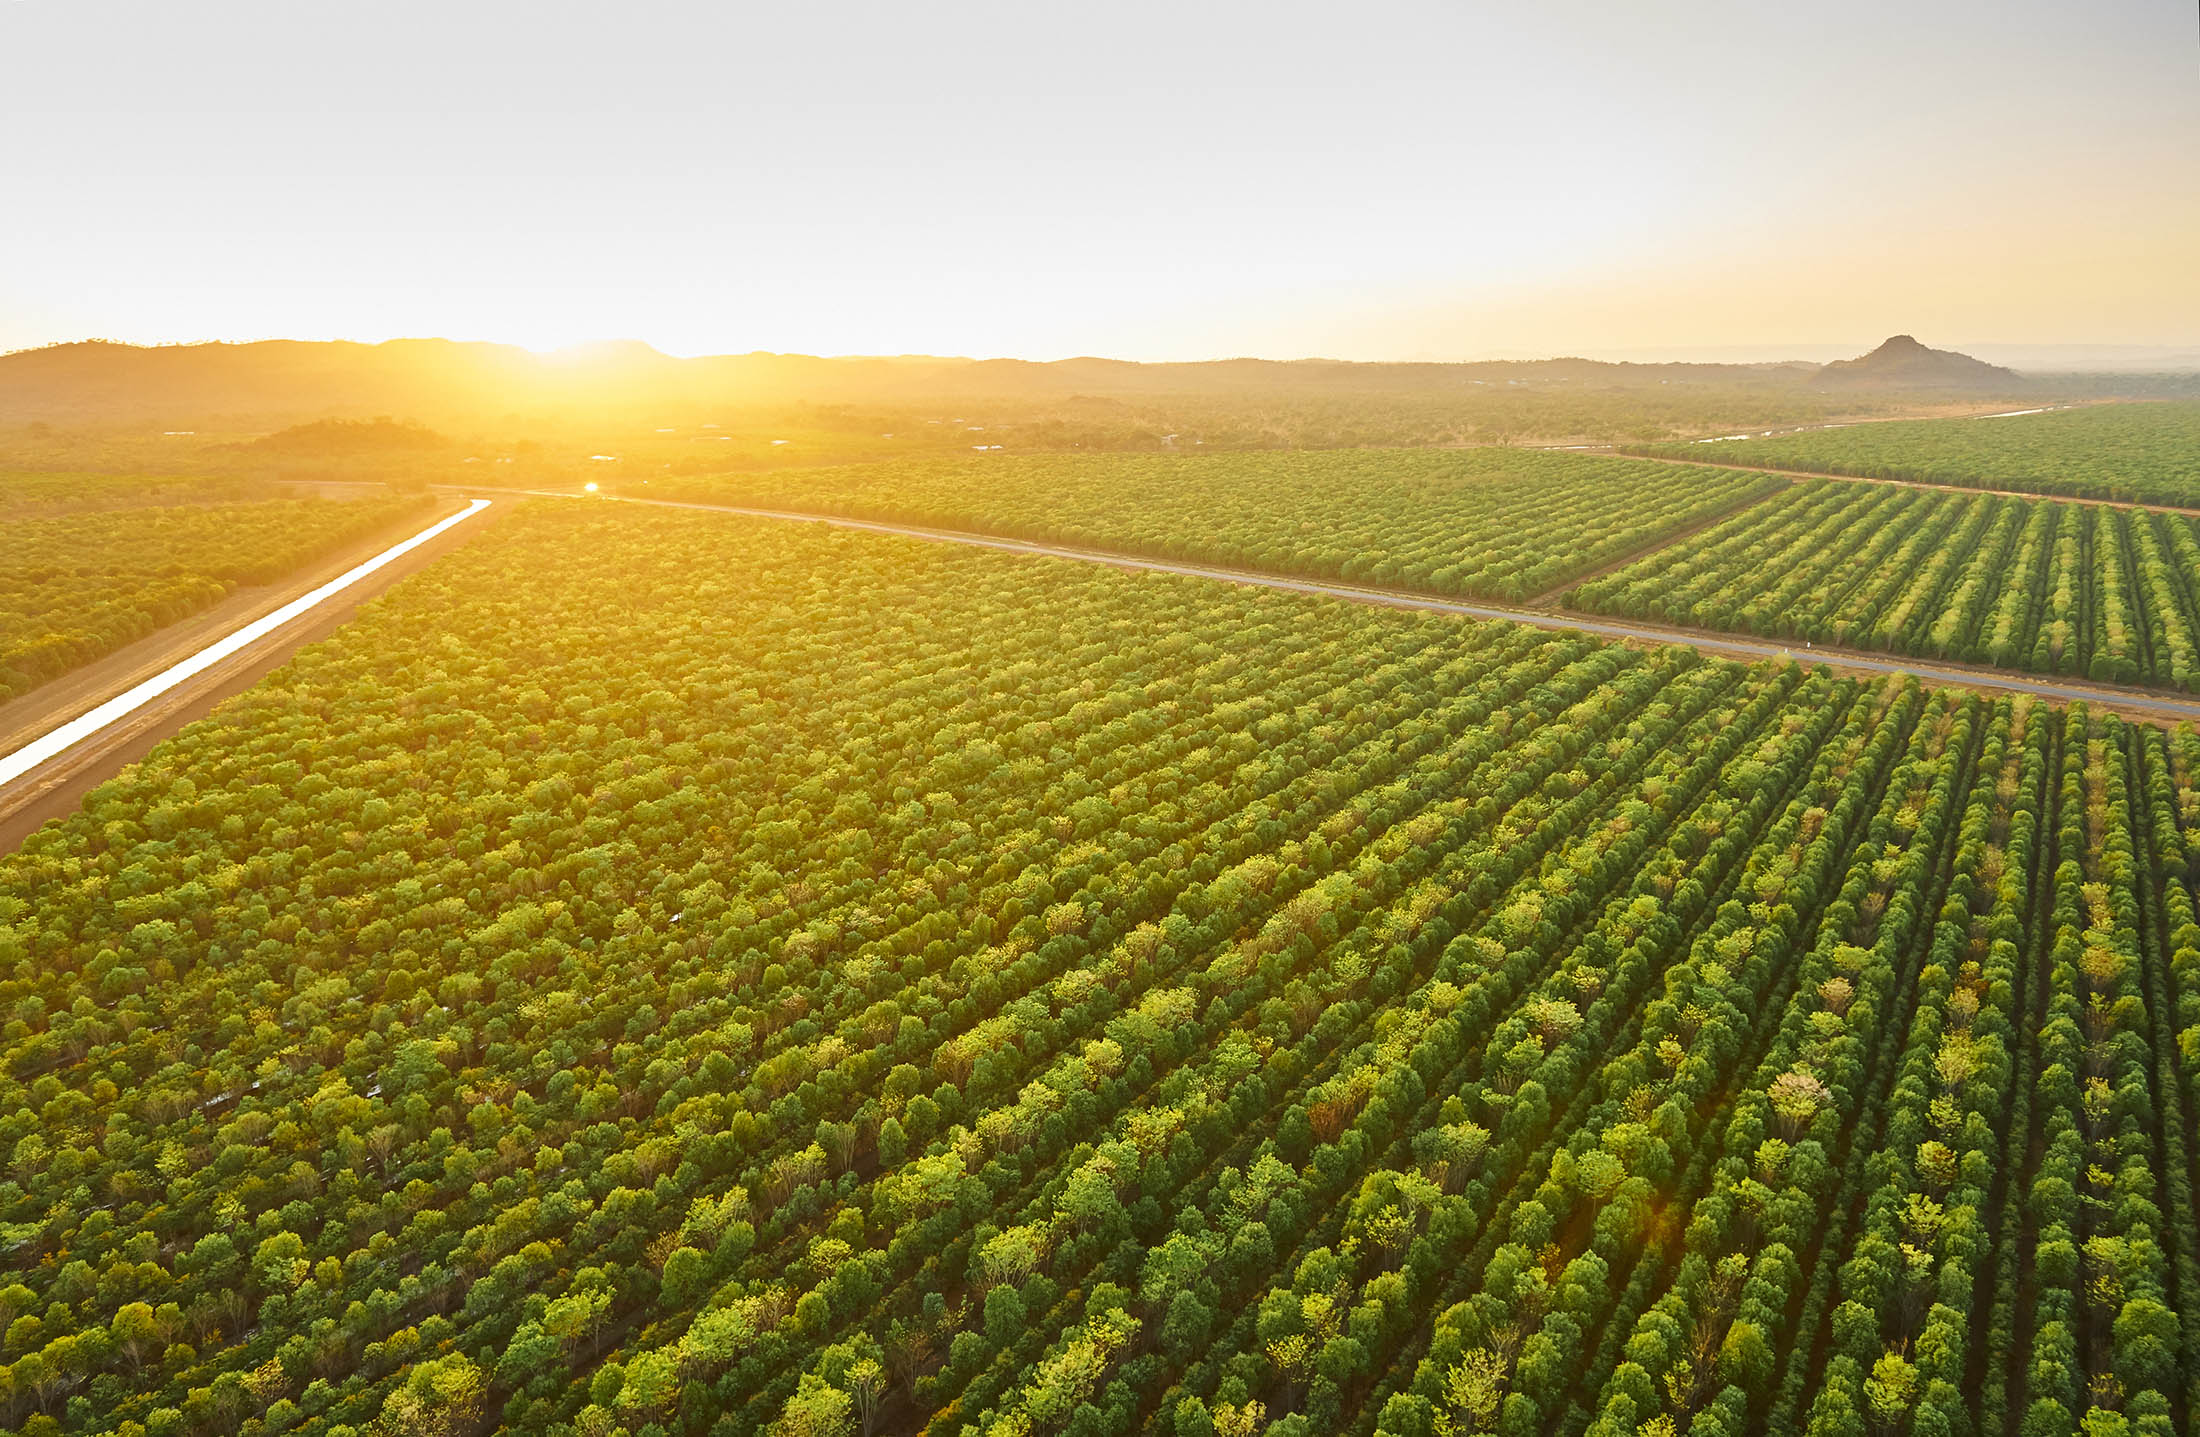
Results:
x,y
269,383
1903,363
2091,358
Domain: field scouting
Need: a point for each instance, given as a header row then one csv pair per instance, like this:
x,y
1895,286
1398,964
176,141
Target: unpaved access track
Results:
x,y
2153,705
55,784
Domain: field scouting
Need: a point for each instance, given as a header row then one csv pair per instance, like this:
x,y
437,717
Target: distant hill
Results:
x,y
1903,363
461,388
277,383
348,437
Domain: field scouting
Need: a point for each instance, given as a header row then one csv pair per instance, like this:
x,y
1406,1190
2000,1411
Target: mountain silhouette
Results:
x,y
1903,363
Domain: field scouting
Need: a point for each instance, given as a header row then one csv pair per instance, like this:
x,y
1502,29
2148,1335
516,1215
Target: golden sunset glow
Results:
x,y
1427,181
1186,718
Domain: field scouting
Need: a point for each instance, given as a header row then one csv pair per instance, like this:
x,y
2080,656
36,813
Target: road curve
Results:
x,y
24,763
2146,703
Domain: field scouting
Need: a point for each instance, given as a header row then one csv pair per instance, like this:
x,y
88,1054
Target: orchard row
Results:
x,y
79,581
2106,593
2149,453
664,973
1508,524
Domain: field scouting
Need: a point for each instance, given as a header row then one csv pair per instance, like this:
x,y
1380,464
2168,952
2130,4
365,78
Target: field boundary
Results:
x,y
2033,494
2151,705
1549,597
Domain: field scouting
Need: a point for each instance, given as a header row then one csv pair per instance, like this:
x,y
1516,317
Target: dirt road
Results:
x,y
2150,704
55,784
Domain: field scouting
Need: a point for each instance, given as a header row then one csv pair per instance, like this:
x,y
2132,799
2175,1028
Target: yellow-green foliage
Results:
x,y
1493,523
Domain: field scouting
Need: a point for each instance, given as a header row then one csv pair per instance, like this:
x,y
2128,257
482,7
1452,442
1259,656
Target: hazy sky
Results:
x,y
1173,180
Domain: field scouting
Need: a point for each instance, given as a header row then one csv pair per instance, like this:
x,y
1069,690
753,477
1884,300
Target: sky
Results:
x,y
1142,180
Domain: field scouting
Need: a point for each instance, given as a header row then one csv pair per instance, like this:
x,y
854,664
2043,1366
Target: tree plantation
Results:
x,y
2094,591
28,494
665,973
90,563
2105,593
2144,452
1491,523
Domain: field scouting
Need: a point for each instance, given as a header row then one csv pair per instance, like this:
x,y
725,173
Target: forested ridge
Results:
x,y
680,974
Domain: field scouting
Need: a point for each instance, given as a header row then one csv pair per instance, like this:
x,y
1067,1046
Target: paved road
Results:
x,y
50,757
48,705
2145,703
46,776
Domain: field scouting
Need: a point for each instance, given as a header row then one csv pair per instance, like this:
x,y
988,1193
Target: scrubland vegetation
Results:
x,y
2149,453
1494,523
2106,593
89,563
665,973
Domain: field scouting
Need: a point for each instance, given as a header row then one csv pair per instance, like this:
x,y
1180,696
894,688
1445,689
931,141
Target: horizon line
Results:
x,y
1769,355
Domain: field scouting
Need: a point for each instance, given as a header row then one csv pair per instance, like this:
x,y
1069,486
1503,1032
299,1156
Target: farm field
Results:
x,y
1504,524
2149,453
30,494
2105,593
681,974
92,562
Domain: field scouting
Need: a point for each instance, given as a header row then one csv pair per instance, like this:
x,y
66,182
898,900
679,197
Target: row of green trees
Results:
x,y
2056,588
78,581
669,974
2134,452
1506,524
389,1021
1314,1022
1365,1256
1729,1022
